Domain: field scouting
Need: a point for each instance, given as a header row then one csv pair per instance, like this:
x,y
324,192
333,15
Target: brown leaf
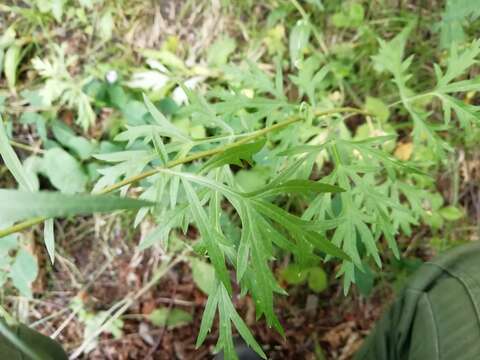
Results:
x,y
404,151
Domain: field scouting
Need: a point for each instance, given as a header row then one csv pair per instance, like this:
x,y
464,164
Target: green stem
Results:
x,y
187,159
26,147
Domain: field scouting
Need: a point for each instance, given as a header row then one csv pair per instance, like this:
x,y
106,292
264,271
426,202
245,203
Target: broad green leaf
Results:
x,y
218,53
378,108
65,136
451,213
203,275
234,155
20,205
252,179
64,171
134,112
317,279
171,318
294,274
23,271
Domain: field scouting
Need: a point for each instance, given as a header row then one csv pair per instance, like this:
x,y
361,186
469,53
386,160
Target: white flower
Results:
x,y
179,95
111,76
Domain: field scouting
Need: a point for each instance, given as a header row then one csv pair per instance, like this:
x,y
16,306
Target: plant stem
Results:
x,y
187,159
26,147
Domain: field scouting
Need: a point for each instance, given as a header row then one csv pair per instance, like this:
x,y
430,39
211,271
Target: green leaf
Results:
x,y
203,275
24,270
166,126
64,171
12,59
134,112
349,17
299,37
317,279
218,53
234,155
171,318
241,326
49,239
378,108
80,145
20,205
451,213
453,19
252,179
13,163
391,53
208,236
458,62
321,243
296,186
106,26
30,347
294,274
208,315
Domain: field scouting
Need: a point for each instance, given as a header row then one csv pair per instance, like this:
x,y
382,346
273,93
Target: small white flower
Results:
x,y
179,95
111,76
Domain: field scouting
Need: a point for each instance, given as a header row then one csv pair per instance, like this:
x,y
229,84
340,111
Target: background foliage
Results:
x,y
312,143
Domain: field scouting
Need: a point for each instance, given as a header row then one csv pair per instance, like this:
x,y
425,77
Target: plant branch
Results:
x,y
189,158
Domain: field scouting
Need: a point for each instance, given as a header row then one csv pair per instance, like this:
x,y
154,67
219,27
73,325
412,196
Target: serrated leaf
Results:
x,y
18,205
234,155
166,126
458,62
208,316
296,186
214,251
240,325
324,245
